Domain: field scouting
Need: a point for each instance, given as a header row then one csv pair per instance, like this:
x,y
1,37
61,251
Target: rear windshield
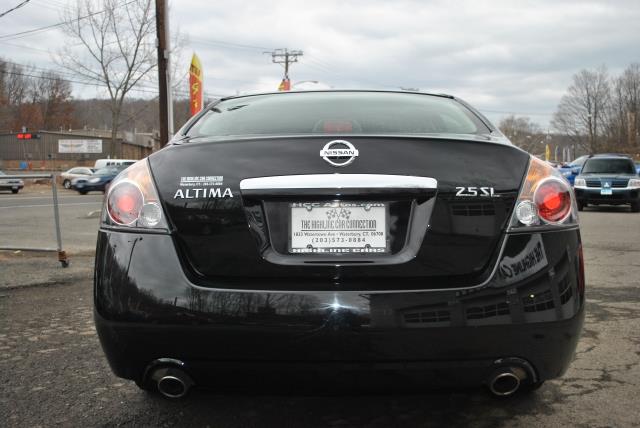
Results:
x,y
608,166
337,113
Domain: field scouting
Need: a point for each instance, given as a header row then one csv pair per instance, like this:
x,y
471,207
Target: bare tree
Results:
x,y
18,100
628,100
54,96
522,132
583,110
117,50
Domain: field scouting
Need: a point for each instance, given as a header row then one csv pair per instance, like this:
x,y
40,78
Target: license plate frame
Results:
x,y
338,237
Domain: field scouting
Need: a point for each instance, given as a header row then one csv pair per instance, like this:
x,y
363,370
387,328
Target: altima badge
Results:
x,y
339,152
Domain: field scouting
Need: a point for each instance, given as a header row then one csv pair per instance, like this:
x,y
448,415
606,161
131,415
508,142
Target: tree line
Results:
x,y
37,100
43,101
598,113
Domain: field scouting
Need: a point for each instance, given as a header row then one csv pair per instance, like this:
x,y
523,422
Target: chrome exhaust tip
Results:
x,y
172,382
504,383
172,387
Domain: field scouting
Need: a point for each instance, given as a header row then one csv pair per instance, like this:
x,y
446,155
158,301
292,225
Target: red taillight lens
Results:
x,y
125,203
553,199
546,199
132,200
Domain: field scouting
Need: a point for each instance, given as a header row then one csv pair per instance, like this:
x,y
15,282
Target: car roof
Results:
x,y
336,91
610,156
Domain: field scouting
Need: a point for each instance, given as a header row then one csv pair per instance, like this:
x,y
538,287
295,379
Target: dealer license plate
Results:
x,y
606,192
338,227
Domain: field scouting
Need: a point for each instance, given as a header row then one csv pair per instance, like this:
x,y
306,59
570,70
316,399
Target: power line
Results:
x,y
40,69
139,88
59,24
230,45
14,8
144,89
25,47
285,57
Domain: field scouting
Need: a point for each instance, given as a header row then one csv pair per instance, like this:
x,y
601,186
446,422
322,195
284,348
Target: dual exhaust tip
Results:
x,y
172,382
506,381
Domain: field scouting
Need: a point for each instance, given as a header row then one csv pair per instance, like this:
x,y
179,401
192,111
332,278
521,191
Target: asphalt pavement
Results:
x,y
53,372
26,219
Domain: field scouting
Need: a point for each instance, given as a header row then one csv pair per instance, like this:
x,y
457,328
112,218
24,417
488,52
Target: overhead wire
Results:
x,y
140,88
25,33
310,61
6,12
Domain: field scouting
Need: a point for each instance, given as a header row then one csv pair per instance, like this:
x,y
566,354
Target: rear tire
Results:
x,y
581,205
635,206
66,184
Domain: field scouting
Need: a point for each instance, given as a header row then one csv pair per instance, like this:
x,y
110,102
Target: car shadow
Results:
x,y
458,408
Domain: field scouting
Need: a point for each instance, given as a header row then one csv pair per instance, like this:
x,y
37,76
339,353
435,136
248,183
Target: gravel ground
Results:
x,y
24,269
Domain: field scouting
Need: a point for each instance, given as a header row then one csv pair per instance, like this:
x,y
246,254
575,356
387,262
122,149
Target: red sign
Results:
x,y
285,85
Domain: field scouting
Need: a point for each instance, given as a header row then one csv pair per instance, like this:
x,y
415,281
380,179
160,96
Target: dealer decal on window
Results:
x,y
201,186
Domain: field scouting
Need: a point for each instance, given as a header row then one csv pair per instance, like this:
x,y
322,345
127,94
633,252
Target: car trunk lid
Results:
x,y
445,235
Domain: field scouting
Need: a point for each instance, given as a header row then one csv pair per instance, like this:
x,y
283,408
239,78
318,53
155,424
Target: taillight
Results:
x,y
132,200
553,200
546,198
125,202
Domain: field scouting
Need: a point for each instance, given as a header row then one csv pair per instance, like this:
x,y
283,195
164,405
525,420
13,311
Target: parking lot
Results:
x,y
53,371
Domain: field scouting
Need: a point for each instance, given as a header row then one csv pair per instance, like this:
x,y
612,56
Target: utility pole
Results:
x,y
285,57
164,77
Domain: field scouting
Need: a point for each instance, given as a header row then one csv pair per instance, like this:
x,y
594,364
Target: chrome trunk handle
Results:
x,y
339,181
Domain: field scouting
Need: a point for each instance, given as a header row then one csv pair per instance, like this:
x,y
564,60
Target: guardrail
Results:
x,y
62,255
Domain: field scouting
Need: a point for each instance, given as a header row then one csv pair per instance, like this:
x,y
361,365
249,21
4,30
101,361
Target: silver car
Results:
x,y
10,183
77,172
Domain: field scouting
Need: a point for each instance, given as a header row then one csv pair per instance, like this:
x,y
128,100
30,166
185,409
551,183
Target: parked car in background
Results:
x,y
12,184
638,168
98,181
608,179
102,163
77,172
339,238
571,169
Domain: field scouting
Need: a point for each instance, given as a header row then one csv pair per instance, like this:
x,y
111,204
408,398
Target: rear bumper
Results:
x,y
11,186
89,187
146,309
618,196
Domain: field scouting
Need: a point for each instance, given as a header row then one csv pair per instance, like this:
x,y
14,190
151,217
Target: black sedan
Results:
x,y
98,181
609,180
319,240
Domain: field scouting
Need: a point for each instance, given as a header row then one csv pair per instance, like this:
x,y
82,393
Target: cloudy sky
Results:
x,y
502,56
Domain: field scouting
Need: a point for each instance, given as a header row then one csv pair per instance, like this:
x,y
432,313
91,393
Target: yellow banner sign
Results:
x,y
195,85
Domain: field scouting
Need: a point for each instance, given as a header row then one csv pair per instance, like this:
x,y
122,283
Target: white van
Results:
x,y
101,163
